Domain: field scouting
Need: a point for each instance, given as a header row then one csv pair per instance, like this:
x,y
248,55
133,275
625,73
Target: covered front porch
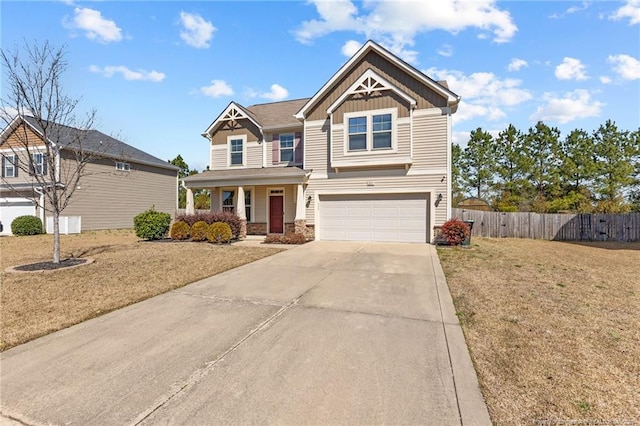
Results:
x,y
267,201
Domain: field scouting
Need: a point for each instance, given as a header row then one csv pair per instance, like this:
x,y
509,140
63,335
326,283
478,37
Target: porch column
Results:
x,y
212,192
190,206
300,220
241,212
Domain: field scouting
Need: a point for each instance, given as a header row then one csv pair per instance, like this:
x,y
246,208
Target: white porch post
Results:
x,y
212,195
300,220
241,212
190,204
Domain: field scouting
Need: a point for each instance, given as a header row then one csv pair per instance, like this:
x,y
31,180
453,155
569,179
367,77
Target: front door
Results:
x,y
276,214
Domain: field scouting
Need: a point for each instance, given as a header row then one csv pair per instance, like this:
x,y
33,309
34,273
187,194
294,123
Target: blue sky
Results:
x,y
158,73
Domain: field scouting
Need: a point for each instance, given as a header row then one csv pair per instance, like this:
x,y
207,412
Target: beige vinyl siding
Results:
x,y
430,142
376,180
109,199
242,127
260,204
424,96
289,203
316,142
219,157
254,155
404,137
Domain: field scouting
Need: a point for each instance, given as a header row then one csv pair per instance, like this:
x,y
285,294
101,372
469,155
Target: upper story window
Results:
x,y
237,150
39,164
370,131
287,148
123,166
9,166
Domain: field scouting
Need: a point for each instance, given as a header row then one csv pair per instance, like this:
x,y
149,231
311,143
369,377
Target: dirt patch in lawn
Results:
x,y
553,328
124,271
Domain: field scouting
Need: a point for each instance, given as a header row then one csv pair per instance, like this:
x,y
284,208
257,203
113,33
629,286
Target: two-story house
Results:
x,y
367,158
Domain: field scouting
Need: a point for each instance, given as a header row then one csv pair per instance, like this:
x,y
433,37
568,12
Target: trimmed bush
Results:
x,y
455,231
27,225
151,224
219,232
288,238
211,217
180,231
199,231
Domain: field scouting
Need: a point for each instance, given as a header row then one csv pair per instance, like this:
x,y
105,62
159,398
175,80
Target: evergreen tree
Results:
x,y
478,163
542,151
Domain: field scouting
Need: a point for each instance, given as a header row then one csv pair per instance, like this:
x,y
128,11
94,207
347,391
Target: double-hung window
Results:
x,y
236,151
227,201
247,204
9,163
39,164
371,131
286,148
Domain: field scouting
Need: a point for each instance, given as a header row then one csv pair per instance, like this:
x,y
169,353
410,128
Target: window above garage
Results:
x,y
367,132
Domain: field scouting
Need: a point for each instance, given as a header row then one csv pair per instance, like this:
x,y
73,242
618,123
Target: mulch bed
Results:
x,y
50,266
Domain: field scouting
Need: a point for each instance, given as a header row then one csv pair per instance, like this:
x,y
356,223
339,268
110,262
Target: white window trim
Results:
x,y
369,115
13,163
244,151
253,202
38,164
293,148
233,189
122,166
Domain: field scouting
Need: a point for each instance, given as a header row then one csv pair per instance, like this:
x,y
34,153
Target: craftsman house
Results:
x,y
118,182
367,158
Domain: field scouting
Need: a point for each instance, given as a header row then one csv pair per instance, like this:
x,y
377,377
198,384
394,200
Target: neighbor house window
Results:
x,y
125,167
370,131
227,201
286,148
9,163
247,205
39,166
236,151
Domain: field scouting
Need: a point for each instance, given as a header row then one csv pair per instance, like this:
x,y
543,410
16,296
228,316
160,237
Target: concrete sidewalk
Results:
x,y
326,333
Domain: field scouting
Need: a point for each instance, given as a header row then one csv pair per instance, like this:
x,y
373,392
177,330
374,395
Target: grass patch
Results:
x,y
541,353
125,271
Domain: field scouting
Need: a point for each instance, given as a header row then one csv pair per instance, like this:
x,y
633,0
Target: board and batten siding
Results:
x,y
429,140
396,180
109,199
424,96
388,100
242,127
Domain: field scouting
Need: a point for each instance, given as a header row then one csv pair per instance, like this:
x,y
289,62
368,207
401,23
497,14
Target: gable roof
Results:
x,y
442,89
93,141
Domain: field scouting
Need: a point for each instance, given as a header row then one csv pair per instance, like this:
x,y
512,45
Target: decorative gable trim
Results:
x,y
232,113
370,82
370,45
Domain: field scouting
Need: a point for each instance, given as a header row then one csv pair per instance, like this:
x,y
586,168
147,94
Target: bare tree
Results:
x,y
44,126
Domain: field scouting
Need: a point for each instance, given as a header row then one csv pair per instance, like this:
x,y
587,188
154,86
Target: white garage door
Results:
x,y
374,217
10,208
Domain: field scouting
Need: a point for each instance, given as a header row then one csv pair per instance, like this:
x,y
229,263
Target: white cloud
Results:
x,y
517,64
605,79
196,32
395,23
572,106
445,50
95,26
630,10
277,93
216,89
625,66
571,69
127,74
484,94
350,48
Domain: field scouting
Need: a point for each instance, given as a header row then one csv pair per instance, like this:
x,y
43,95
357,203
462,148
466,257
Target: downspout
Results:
x,y
41,204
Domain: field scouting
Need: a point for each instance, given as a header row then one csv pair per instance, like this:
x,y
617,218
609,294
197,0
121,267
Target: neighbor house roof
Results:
x,y
94,142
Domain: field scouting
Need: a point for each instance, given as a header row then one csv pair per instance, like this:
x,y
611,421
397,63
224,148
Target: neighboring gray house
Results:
x,y
367,158
120,182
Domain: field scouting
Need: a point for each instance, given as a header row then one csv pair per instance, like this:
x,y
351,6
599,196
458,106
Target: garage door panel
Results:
x,y
374,217
10,208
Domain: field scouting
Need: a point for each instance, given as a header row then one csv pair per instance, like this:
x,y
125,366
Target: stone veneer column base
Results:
x,y
300,226
243,229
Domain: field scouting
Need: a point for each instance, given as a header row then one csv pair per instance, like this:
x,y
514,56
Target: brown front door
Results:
x,y
276,214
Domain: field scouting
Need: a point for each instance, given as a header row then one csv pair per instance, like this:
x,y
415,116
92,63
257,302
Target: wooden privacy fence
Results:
x,y
560,227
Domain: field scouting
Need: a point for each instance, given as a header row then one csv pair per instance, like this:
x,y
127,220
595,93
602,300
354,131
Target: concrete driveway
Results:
x,y
325,333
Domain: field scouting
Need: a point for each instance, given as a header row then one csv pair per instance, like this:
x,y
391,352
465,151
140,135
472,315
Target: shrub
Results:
x,y
219,232
288,238
151,224
199,231
27,225
455,231
180,231
209,218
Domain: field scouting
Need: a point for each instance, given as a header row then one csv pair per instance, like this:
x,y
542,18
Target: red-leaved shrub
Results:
x,y
288,238
455,231
229,218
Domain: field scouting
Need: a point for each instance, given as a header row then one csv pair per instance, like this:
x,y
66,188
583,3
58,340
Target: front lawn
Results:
x,y
553,328
125,271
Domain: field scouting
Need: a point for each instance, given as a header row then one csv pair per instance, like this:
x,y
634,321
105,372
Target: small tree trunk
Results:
x,y
56,237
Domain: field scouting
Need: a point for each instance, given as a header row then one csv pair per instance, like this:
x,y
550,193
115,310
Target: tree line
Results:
x,y
541,171
201,197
